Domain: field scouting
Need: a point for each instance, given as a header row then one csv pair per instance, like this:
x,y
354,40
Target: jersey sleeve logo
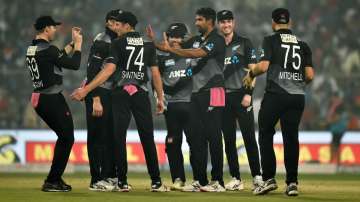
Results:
x,y
209,46
170,62
253,54
196,44
262,52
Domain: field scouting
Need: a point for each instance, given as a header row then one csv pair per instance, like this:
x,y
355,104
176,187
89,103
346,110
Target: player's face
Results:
x,y
117,27
122,28
226,26
273,25
201,23
51,31
175,42
111,25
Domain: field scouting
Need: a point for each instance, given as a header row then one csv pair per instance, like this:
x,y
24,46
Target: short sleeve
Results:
x,y
250,53
307,56
114,53
152,60
212,45
266,50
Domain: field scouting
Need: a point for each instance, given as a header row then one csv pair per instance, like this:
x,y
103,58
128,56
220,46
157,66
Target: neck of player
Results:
x,y
228,37
281,26
42,36
210,29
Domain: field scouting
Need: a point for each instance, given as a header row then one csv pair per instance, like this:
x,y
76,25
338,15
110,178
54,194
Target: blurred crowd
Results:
x,y
330,27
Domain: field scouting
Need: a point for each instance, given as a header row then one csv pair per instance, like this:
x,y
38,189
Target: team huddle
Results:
x,y
202,84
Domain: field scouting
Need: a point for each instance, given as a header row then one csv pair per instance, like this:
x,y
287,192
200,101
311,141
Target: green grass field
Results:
x,y
327,188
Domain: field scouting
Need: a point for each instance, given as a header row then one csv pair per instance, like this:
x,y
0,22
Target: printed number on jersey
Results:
x,y
138,61
296,58
33,67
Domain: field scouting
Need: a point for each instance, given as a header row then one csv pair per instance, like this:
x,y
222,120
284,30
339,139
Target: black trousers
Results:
x,y
53,109
233,112
177,121
139,106
288,108
100,138
205,132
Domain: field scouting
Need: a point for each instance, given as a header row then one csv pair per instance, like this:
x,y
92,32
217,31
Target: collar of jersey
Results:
x,y
286,31
36,41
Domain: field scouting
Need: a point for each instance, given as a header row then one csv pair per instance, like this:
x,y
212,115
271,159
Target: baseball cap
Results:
x,y
127,17
44,21
113,14
281,16
225,15
177,30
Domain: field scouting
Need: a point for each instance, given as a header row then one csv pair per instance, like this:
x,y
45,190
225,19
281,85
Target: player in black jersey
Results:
x,y
100,142
45,63
176,76
130,56
207,100
240,56
288,63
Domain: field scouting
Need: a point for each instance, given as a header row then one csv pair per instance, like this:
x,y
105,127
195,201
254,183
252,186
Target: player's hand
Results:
x,y
150,33
159,106
246,101
247,81
76,35
79,94
164,45
166,42
97,108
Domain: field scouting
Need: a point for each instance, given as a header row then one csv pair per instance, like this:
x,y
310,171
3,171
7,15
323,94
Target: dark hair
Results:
x,y
207,13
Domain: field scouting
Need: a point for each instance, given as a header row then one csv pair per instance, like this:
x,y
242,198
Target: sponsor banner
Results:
x,y
42,152
37,146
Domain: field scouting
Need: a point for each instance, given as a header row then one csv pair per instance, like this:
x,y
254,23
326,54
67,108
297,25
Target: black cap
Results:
x,y
44,21
113,14
127,17
177,30
225,15
281,16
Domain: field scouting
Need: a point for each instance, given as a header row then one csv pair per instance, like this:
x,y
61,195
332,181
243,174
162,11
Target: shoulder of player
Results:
x,y
162,54
102,37
216,35
52,49
241,38
304,44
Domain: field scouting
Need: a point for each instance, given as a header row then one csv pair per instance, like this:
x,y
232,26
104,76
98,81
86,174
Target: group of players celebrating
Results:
x,y
203,85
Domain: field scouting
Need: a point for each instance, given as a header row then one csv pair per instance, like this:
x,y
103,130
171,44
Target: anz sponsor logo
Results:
x,y
180,73
232,60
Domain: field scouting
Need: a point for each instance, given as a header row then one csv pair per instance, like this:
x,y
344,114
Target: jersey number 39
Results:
x,y
33,67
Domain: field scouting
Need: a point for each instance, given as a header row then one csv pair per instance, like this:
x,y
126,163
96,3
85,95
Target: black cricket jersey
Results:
x,y
132,55
208,71
238,55
45,62
176,75
99,51
288,57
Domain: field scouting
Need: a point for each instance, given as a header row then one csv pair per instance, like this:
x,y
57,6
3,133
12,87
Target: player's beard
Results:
x,y
52,37
202,30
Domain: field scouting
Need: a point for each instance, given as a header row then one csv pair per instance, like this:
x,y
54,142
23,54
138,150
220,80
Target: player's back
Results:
x,y
288,57
40,60
132,55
